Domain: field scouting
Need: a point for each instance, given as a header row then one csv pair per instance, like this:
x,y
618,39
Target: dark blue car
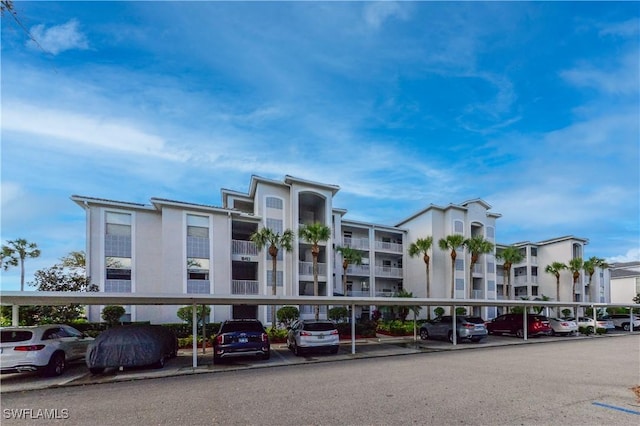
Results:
x,y
239,338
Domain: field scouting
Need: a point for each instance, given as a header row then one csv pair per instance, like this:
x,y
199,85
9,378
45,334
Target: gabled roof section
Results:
x,y
463,206
479,201
564,238
161,202
83,201
291,180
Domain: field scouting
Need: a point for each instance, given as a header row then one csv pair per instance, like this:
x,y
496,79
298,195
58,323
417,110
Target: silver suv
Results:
x,y
623,321
469,328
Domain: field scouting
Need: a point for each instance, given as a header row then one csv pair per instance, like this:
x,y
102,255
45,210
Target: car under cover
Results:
x,y
132,346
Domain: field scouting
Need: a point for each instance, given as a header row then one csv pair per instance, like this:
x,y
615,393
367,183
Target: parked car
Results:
x,y
563,326
307,335
131,346
469,328
587,322
44,348
538,325
237,338
623,321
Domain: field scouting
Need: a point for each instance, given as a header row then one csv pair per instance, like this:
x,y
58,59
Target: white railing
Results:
x,y
244,287
358,270
534,260
354,293
356,243
520,280
306,268
477,294
478,268
386,294
311,309
244,247
394,247
388,271
500,279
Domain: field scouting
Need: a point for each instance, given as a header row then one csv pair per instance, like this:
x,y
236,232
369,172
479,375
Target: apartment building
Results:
x,y
625,281
177,247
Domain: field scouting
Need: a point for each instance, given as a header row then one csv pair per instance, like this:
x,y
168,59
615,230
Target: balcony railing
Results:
x,y
306,268
478,268
388,271
386,294
244,287
356,243
477,294
353,293
394,247
358,270
242,247
310,309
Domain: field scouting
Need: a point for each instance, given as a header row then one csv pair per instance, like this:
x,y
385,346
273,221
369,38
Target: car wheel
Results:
x,y
296,350
160,363
553,332
520,333
424,334
267,355
96,370
450,336
626,326
217,360
590,329
56,365
335,350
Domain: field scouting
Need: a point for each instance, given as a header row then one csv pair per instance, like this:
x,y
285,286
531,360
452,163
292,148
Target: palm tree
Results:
x,y
274,240
350,256
314,234
476,246
422,247
590,266
509,256
575,266
15,252
452,242
555,269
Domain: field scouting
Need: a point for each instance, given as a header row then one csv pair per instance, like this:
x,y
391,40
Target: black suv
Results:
x,y
238,338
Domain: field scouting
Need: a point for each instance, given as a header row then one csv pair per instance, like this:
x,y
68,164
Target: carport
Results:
x,y
53,298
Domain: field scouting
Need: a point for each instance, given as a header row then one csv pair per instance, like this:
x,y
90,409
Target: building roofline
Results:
x,y
462,206
83,201
357,223
292,179
159,202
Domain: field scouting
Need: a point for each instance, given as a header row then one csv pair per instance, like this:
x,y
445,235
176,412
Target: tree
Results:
x,y
186,314
287,314
265,237
15,252
452,242
338,313
350,256
590,266
575,266
554,269
422,247
509,256
61,278
314,234
476,246
111,314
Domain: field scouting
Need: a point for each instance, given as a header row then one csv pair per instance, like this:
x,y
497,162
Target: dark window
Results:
x,y
235,326
119,274
15,336
474,320
319,326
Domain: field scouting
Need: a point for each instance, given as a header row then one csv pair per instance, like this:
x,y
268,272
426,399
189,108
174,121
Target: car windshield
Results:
x,y
231,327
319,326
15,336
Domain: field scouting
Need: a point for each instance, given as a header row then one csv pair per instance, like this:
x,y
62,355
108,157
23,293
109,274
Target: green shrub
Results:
x,y
338,314
364,328
439,311
112,314
287,314
601,330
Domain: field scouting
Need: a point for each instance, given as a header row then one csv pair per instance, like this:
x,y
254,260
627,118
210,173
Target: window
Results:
x,y
274,203
279,278
491,233
459,265
459,284
118,264
458,226
491,285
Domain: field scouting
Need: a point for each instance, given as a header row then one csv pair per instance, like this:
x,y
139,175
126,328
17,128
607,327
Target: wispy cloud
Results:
x,y
59,38
376,13
627,28
619,78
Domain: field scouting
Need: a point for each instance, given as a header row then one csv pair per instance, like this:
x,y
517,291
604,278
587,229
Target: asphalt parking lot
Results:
x,y
382,346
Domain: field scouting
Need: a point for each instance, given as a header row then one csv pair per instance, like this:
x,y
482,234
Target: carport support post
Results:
x,y
525,324
194,334
353,329
631,318
454,330
15,317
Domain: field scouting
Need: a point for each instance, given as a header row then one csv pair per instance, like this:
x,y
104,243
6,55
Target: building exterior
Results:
x,y
625,281
176,247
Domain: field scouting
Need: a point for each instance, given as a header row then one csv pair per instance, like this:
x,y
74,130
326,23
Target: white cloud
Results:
x,y
59,38
375,13
632,255
628,28
622,78
70,130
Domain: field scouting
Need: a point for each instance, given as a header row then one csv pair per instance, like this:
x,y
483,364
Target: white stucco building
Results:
x,y
178,247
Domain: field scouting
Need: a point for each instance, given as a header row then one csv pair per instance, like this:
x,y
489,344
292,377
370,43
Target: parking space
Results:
x,y
383,346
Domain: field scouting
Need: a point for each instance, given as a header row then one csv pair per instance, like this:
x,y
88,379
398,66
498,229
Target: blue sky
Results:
x,y
533,107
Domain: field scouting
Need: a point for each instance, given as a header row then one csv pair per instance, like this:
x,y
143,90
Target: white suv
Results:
x,y
46,348
623,321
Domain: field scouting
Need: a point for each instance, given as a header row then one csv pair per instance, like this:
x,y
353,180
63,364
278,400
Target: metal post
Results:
x,y
194,334
353,329
15,317
525,323
631,317
454,317
595,320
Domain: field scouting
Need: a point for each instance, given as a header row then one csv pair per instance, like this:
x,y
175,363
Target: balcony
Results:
x,y
392,247
243,248
477,294
311,310
388,272
356,243
358,270
355,293
245,287
478,268
306,268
